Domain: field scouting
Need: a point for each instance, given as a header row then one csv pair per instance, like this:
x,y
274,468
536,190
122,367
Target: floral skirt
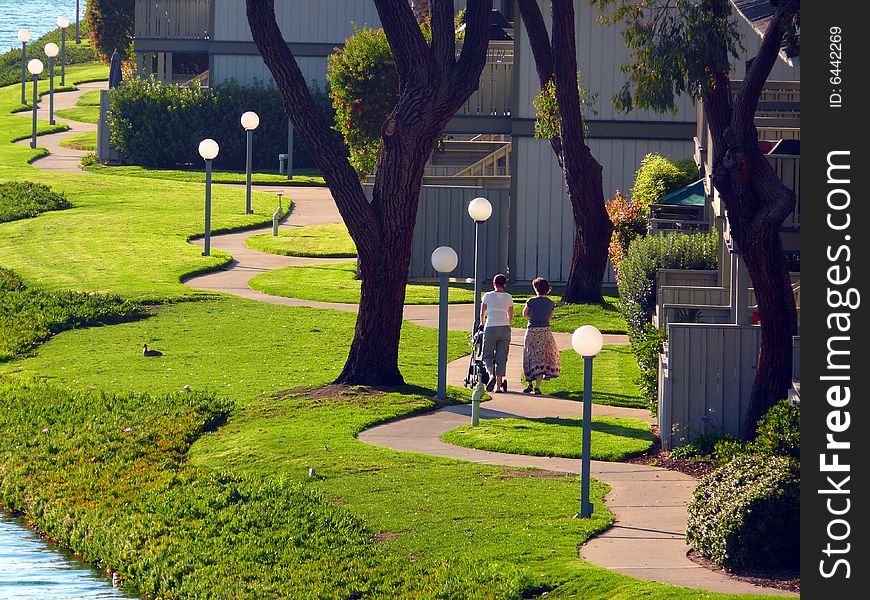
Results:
x,y
540,354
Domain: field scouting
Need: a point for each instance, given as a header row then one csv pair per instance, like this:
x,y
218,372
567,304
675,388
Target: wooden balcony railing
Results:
x,y
173,19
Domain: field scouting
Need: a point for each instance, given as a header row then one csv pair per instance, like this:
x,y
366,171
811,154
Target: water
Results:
x,y
32,568
39,16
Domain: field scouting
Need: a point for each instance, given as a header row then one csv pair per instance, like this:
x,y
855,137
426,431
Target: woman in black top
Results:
x,y
540,354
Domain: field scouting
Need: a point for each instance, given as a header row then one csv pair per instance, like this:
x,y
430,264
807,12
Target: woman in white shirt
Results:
x,y
496,314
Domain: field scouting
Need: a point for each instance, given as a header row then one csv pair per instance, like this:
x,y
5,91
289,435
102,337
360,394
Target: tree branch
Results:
x,y
443,34
405,38
539,38
326,151
466,76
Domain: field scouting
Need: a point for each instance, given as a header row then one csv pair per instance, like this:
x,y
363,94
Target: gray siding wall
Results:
x,y
248,69
300,20
544,223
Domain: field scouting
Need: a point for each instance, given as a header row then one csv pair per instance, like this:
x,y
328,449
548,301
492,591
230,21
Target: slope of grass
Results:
x,y
10,61
316,241
614,378
612,438
302,177
84,141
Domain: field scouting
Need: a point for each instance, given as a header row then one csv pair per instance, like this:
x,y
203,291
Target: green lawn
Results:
x,y
301,177
317,241
338,283
612,438
199,496
568,317
614,378
86,110
83,141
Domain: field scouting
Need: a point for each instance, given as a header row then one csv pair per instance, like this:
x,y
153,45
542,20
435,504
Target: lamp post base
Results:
x,y
585,514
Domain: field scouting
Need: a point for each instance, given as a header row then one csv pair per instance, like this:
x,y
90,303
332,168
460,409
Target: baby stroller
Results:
x,y
477,373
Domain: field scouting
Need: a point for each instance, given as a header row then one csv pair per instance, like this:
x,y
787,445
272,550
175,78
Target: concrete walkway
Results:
x,y
647,540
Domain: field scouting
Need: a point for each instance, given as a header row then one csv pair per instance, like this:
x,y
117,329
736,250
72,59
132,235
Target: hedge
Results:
x,y
157,125
646,255
747,514
25,199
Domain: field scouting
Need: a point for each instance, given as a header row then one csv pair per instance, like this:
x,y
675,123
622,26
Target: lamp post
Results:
x,y
208,149
78,39
34,66
63,23
479,210
51,51
444,259
250,121
587,342
23,37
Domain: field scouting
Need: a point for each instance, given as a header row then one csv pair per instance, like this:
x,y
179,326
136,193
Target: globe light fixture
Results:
x,y
208,150
444,260
23,37
63,23
34,67
587,342
480,209
51,50
250,121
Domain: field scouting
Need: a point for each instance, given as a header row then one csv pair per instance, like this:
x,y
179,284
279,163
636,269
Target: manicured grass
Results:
x,y
317,241
338,283
84,141
82,114
301,177
614,378
120,236
612,438
91,98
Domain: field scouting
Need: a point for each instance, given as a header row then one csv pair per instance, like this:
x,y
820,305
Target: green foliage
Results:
x,y
628,224
675,48
10,61
365,88
160,126
613,438
25,199
110,26
659,175
29,316
547,122
746,514
646,347
613,378
777,434
646,255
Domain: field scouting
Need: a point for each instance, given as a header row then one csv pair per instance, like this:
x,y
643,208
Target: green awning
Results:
x,y
691,195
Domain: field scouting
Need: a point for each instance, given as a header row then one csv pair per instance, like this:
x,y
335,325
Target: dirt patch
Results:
x,y
533,473
656,457
383,536
782,579
333,391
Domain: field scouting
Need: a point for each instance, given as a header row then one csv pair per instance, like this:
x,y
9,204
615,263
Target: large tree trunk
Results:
x,y
433,85
558,61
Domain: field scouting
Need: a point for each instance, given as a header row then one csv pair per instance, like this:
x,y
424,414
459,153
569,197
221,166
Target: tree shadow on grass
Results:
x,y
609,428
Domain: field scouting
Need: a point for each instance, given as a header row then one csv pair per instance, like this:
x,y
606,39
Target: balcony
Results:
x,y
185,21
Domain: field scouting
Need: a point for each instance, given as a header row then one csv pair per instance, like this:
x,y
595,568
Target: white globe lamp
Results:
x,y
23,36
587,341
51,50
444,259
250,120
208,149
480,209
62,22
35,66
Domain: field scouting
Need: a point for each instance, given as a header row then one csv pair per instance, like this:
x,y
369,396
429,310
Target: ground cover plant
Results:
x,y
614,378
29,316
25,200
613,438
301,177
318,241
10,61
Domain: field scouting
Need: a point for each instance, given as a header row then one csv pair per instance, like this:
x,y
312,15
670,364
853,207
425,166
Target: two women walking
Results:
x,y
540,353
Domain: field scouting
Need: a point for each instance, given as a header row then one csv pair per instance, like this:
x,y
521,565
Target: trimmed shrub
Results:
x,y
110,26
646,255
659,175
10,61
746,514
160,126
779,431
24,200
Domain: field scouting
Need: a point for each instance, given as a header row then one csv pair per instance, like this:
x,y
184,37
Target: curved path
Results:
x,y
647,539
